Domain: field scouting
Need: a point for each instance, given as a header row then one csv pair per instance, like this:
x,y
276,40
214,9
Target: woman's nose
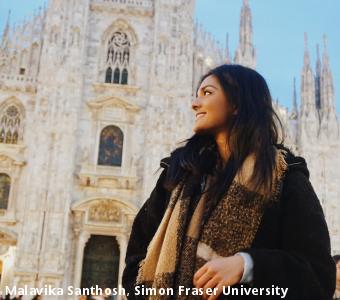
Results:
x,y
195,103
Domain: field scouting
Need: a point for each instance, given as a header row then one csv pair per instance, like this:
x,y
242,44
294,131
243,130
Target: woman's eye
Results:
x,y
206,93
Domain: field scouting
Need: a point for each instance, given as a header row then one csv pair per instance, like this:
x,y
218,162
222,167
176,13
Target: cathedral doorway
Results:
x,y
100,262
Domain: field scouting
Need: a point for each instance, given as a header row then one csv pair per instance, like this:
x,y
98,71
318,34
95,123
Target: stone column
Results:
x,y
122,242
82,240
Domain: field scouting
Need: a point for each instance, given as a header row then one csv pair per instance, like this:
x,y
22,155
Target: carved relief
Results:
x,y
105,211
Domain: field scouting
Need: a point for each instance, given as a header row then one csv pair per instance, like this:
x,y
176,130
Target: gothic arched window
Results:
x,y
111,146
108,76
124,76
5,185
10,122
116,76
118,57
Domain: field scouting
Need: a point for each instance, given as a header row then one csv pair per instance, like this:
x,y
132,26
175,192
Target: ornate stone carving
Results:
x,y
104,211
78,220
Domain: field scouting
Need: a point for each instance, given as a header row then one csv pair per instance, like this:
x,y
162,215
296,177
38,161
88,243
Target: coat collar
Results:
x,y
294,162
165,162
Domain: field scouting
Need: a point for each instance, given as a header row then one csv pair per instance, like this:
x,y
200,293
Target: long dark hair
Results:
x,y
252,130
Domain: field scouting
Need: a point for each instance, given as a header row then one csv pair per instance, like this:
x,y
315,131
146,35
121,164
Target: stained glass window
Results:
x,y
5,184
118,57
111,146
10,125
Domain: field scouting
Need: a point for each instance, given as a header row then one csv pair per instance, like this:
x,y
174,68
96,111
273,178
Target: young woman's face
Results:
x,y
211,107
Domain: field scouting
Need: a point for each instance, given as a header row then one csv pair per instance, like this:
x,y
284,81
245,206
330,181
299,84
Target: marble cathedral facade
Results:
x,y
93,93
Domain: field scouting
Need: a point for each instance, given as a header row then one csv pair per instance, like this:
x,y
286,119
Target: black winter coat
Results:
x,y
291,248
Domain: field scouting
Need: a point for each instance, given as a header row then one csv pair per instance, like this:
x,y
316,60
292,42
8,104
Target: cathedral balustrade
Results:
x,y
139,3
108,177
132,7
18,82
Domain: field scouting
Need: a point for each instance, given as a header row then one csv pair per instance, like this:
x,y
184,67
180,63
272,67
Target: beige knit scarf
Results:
x,y
175,253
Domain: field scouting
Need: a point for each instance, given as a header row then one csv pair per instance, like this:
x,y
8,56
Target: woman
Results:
x,y
233,208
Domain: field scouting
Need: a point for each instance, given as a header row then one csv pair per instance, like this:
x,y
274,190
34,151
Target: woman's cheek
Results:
x,y
220,118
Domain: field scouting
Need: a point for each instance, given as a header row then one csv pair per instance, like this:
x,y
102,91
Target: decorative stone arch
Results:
x,y
105,212
129,76
111,110
122,25
110,216
12,105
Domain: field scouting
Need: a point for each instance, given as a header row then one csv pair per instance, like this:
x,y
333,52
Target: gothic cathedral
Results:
x,y
93,93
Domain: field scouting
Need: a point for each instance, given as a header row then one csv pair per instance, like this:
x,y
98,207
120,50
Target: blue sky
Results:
x,y
278,28
278,35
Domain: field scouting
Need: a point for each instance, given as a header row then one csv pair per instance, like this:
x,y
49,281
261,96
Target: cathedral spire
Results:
x,y
227,52
325,58
318,61
5,35
327,88
329,120
317,77
309,118
307,82
294,113
245,53
306,59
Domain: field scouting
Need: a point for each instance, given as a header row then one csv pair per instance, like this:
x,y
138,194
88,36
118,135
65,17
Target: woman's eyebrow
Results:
x,y
203,87
209,85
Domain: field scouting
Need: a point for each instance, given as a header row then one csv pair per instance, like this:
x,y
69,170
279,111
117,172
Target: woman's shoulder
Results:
x,y
297,163
298,191
294,162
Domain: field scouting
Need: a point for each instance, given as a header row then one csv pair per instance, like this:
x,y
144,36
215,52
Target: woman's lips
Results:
x,y
200,115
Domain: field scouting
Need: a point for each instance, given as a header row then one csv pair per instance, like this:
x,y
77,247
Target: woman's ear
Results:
x,y
235,109
235,112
